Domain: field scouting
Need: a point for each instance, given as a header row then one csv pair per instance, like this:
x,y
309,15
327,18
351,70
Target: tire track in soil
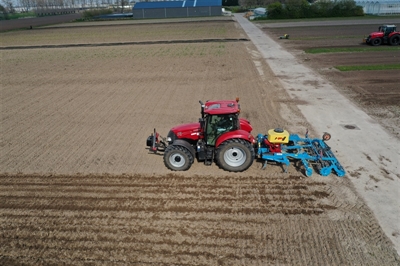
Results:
x,y
173,219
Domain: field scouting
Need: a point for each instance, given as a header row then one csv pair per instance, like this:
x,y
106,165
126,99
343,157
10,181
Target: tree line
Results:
x,y
293,9
28,5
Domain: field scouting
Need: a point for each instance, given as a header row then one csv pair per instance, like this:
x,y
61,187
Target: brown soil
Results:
x,y
78,185
199,220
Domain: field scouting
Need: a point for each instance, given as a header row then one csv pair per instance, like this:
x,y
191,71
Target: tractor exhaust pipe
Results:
x,y
153,145
202,108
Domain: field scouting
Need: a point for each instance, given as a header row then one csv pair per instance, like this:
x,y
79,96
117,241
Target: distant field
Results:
x,y
324,47
123,33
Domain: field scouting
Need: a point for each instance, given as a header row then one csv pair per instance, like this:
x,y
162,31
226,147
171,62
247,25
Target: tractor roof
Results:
x,y
221,107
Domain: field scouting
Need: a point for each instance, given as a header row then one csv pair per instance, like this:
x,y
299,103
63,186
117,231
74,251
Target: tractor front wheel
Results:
x,y
177,158
235,155
376,42
395,40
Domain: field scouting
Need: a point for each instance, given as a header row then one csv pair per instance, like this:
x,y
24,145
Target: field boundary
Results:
x,y
121,43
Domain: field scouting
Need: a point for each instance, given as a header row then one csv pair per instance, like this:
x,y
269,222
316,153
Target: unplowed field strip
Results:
x,y
185,220
121,43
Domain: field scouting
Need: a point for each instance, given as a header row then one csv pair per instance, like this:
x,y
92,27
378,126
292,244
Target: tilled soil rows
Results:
x,y
200,220
78,185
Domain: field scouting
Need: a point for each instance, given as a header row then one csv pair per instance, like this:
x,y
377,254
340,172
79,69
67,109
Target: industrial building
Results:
x,y
380,7
177,9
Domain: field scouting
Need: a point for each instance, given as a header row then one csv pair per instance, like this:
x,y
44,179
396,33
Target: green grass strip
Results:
x,y
368,67
360,18
325,38
352,49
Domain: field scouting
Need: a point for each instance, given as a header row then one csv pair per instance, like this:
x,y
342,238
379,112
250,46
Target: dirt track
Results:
x,y
78,185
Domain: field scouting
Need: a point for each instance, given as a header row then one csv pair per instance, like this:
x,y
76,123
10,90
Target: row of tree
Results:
x,y
322,8
27,5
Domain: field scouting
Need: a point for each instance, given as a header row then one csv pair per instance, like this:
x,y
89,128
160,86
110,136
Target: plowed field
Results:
x,y
170,219
79,187
376,91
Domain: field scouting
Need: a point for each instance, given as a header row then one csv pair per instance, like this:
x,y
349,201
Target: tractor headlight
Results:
x,y
171,137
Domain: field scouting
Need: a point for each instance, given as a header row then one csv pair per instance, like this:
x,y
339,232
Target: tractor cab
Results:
x,y
387,29
218,118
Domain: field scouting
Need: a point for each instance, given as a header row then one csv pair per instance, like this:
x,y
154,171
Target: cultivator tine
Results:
x,y
326,160
307,167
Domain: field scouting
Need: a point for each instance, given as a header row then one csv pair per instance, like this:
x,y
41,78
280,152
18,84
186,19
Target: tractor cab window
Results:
x,y
219,124
386,30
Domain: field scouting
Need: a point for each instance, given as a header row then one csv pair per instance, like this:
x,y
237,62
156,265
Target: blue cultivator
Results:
x,y
279,146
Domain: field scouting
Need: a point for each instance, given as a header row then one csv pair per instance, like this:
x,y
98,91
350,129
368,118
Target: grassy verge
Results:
x,y
326,38
351,49
368,67
366,17
22,15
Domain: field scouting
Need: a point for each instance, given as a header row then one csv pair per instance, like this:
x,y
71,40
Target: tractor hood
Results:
x,y
187,131
376,34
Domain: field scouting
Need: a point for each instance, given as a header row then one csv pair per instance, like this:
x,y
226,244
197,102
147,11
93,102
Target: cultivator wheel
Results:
x,y
326,136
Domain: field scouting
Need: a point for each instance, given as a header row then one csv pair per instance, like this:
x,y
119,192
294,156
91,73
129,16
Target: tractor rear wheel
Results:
x,y
394,40
177,158
235,155
376,42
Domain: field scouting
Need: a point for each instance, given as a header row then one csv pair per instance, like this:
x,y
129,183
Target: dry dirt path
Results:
x,y
353,131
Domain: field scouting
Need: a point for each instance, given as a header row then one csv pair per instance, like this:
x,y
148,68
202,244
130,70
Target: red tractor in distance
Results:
x,y
386,34
220,136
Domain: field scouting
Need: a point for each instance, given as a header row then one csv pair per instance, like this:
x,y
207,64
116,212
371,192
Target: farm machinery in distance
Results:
x,y
386,34
222,137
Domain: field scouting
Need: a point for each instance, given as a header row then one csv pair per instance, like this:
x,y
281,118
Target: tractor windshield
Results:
x,y
216,125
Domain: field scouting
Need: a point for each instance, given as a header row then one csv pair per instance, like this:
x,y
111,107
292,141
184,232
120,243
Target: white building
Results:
x,y
380,7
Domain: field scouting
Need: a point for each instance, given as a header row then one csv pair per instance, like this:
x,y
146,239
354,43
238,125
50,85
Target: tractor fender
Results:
x,y
183,143
237,134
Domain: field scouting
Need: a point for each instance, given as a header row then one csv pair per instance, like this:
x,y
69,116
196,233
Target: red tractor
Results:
x,y
220,136
386,34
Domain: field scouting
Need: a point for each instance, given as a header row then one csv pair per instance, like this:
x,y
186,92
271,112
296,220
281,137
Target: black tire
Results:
x,y
395,40
235,155
177,158
376,42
